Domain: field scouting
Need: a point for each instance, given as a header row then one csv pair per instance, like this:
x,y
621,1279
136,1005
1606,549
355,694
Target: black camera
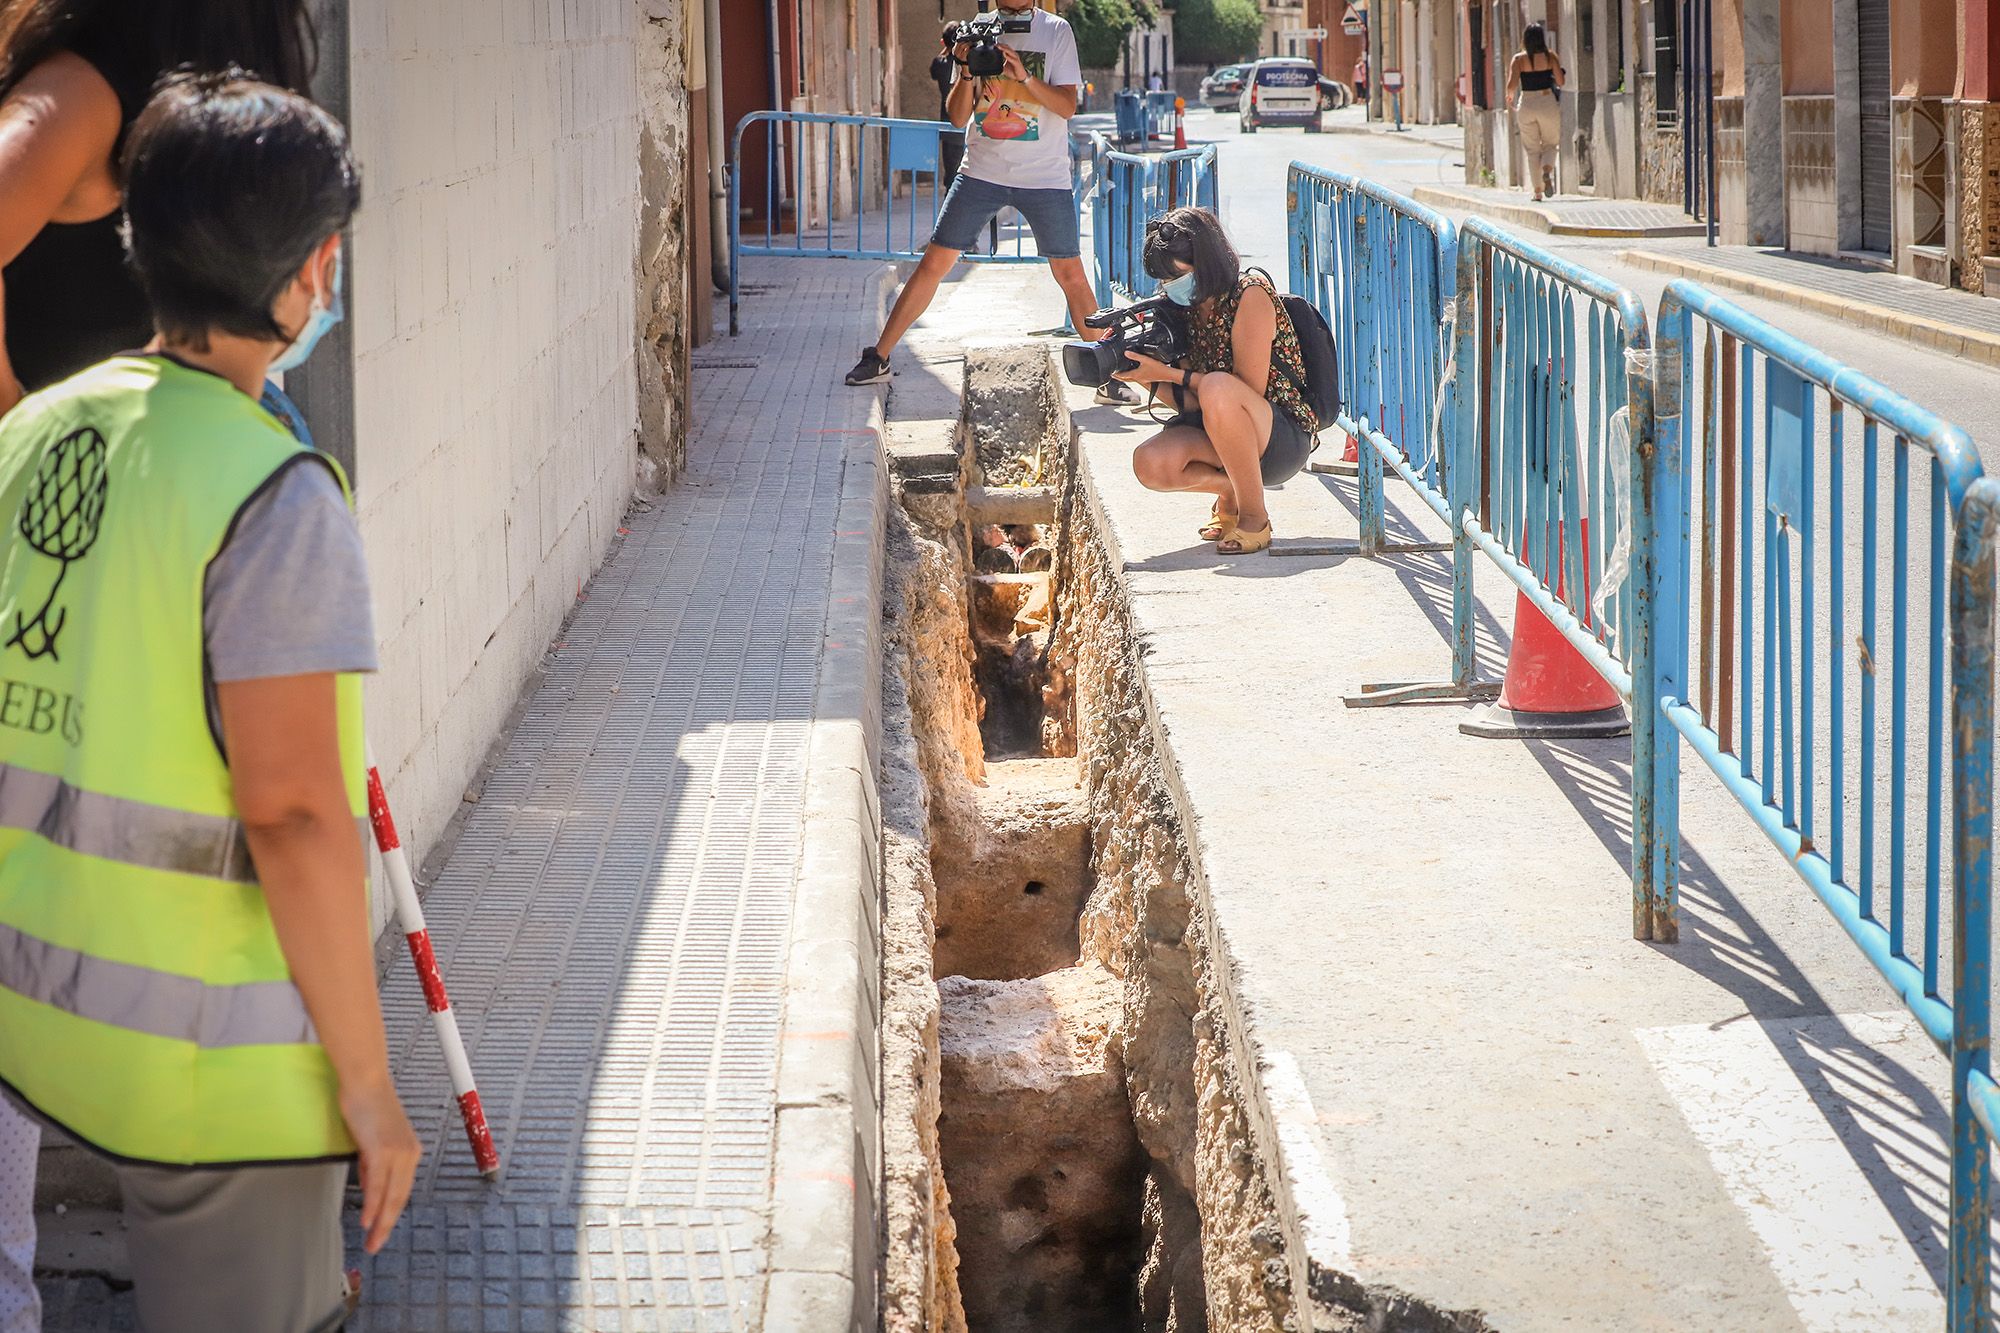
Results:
x,y
1152,326
982,34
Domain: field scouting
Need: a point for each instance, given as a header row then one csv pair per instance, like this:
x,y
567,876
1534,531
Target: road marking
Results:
x,y
1829,1133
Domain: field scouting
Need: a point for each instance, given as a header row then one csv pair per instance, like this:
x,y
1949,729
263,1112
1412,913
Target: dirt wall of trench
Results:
x,y
1214,1251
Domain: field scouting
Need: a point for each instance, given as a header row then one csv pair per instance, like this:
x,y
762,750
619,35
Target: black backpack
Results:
x,y
1322,356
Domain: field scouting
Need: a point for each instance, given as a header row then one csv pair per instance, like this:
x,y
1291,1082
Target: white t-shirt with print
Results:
x,y
1012,139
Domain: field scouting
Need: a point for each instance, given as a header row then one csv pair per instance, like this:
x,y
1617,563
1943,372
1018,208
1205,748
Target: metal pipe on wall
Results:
x,y
778,101
718,152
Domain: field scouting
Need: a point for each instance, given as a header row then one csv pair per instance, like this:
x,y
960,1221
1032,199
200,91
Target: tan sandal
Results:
x,y
1242,541
1219,525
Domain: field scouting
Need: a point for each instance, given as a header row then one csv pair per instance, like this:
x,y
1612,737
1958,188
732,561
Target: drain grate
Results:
x,y
723,365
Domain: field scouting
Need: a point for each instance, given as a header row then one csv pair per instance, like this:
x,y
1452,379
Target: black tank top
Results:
x,y
1538,80
71,302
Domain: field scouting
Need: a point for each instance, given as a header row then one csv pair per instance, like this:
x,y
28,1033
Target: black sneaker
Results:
x,y
872,368
1117,393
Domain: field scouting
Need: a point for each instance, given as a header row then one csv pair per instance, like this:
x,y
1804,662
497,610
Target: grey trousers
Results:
x,y
256,1248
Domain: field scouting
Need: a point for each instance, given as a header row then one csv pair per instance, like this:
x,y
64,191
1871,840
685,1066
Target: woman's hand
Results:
x,y
389,1155
1147,370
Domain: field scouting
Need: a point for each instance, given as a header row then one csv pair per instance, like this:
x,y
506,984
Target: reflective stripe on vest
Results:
x,y
129,832
143,999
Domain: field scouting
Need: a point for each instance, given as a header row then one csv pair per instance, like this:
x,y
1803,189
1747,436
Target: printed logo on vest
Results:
x,y
60,518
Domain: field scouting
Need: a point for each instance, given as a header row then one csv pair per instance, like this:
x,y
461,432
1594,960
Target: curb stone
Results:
x,y
1547,220
824,1230
1935,334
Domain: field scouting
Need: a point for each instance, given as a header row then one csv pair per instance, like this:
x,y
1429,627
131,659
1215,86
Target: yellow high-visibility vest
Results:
x,y
145,1006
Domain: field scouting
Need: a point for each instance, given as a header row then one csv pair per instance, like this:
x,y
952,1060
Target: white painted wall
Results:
x,y
493,304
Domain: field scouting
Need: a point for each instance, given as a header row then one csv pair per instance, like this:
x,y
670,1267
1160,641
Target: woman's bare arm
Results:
x,y
57,128
1513,77
1251,337
285,771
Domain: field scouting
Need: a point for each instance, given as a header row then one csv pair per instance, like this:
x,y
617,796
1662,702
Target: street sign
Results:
x,y
1354,27
1392,79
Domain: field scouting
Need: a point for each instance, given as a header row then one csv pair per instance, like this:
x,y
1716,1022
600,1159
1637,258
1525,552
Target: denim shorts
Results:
x,y
971,204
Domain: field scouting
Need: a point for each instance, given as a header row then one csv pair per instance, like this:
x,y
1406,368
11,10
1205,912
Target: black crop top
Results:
x,y
71,301
1538,80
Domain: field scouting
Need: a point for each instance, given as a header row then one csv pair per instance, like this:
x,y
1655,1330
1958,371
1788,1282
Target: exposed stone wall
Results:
x,y
1660,164
496,385
665,297
1979,190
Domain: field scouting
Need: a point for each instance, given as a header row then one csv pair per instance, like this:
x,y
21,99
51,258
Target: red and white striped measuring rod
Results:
x,y
410,916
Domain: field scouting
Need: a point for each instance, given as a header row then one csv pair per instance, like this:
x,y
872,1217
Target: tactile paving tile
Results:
x,y
612,922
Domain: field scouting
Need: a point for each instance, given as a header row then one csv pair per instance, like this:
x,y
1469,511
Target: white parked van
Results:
x,y
1283,90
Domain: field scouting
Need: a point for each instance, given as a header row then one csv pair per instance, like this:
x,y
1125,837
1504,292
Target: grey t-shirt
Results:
x,y
288,593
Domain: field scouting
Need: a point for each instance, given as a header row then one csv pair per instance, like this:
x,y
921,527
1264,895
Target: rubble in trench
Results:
x,y
1065,1146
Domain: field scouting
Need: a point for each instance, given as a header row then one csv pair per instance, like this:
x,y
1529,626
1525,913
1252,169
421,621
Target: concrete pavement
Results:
x,y
657,921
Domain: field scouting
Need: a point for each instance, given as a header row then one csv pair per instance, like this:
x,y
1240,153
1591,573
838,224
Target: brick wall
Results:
x,y
495,376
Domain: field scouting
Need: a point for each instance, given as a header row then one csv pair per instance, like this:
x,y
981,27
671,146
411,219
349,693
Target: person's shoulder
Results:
x,y
78,90
1053,23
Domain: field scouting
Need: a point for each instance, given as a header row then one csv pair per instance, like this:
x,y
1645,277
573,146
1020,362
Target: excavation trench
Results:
x,y
1064,1142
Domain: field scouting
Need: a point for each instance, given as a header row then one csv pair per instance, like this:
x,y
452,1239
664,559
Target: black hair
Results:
x,y
273,37
1535,40
1192,236
230,185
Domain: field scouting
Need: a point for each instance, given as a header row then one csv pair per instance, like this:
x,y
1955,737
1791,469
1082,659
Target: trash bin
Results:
x,y
1129,111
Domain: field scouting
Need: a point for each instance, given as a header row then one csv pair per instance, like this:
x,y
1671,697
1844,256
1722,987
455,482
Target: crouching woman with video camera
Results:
x,y
1242,421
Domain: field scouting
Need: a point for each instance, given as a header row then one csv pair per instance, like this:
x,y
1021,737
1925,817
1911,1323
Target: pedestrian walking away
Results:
x,y
188,984
1242,421
1534,84
1017,155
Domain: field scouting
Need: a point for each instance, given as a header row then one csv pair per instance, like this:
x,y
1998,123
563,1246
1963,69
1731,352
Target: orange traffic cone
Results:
x,y
1180,123
1551,692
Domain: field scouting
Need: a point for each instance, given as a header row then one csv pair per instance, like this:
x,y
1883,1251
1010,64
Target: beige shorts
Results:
x,y
246,1248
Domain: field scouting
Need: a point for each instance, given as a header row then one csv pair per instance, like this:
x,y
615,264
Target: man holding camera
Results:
x,y
1016,120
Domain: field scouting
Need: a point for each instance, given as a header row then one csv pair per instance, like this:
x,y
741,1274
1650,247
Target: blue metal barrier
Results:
x,y
1786,658
1384,272
1975,1103
1160,115
1563,492
850,169
1131,189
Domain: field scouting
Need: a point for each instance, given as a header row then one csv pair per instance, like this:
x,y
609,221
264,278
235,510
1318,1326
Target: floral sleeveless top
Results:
x,y
1209,348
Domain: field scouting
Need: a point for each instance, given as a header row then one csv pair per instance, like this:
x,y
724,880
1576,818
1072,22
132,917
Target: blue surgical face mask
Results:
x,y
327,311
1179,290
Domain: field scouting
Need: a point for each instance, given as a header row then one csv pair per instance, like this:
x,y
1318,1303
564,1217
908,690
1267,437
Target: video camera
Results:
x,y
982,33
1152,326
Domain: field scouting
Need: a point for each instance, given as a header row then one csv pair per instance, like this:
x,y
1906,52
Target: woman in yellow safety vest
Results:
x,y
186,980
